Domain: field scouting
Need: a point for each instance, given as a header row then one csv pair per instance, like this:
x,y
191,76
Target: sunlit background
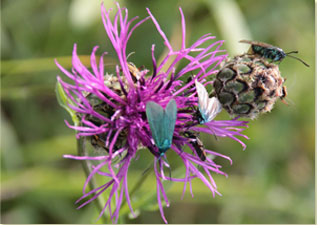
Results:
x,y
271,182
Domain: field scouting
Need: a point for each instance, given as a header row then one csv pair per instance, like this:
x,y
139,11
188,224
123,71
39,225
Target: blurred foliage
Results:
x,y
271,182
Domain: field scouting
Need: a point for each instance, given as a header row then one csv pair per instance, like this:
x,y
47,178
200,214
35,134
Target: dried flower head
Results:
x,y
248,85
112,111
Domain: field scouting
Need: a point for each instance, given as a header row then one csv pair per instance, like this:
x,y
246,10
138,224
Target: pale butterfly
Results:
x,y
208,107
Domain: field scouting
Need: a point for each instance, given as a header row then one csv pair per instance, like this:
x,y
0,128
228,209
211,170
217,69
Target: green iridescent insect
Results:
x,y
162,123
270,52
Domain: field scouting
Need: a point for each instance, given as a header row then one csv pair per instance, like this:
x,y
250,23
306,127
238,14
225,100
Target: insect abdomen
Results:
x,y
268,53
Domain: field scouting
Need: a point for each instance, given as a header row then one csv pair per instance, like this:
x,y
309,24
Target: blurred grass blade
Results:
x,y
63,101
11,151
232,24
9,67
37,65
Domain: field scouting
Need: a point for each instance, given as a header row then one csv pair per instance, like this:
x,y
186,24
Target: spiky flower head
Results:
x,y
112,110
248,85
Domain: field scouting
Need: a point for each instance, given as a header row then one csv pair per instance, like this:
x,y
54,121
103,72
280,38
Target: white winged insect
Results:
x,y
208,107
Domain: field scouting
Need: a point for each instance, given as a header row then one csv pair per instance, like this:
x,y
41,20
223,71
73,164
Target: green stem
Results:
x,y
82,151
138,184
141,180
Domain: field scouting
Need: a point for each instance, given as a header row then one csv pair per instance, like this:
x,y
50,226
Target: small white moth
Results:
x,y
208,107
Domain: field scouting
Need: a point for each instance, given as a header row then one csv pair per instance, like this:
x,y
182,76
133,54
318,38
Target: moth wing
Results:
x,y
155,115
203,97
214,107
258,43
170,118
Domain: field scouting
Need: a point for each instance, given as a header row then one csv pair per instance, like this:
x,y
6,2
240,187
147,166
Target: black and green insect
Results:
x,y
268,51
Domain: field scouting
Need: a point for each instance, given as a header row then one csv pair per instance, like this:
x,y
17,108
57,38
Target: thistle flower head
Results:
x,y
112,110
248,85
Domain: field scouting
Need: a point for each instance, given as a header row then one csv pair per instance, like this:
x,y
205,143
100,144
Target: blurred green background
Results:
x,y
271,182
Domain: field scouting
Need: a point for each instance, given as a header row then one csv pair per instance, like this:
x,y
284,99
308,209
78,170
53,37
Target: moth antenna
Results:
x,y
216,137
306,64
284,101
290,102
212,131
131,53
287,101
291,52
147,169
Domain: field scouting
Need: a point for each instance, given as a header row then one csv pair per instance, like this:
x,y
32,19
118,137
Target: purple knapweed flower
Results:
x,y
112,111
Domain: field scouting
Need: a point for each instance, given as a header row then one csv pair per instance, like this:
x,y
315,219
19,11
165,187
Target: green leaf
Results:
x,y
63,101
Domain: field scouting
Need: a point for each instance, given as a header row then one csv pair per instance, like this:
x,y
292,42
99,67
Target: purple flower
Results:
x,y
112,111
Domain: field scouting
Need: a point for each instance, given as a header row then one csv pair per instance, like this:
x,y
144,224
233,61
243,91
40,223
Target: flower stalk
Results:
x,y
86,164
